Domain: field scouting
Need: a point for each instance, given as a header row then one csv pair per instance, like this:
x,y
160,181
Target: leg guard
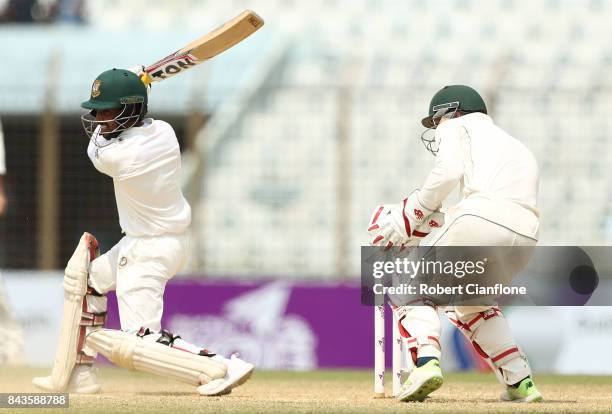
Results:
x,y
79,315
490,335
153,353
420,328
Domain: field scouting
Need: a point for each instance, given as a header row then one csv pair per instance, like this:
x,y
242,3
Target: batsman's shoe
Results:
x,y
422,381
44,384
83,380
238,372
525,392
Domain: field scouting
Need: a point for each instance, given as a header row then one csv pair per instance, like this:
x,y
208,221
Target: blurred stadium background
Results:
x,y
292,137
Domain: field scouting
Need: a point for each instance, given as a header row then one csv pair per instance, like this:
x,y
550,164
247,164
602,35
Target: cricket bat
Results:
x,y
208,46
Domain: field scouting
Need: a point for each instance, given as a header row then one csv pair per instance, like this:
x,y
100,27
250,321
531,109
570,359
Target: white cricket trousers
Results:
x,y
471,230
138,268
492,336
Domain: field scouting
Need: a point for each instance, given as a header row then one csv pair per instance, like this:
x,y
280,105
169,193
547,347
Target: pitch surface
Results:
x,y
314,392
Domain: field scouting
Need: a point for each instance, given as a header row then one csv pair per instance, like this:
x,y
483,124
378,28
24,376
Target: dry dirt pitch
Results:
x,y
316,392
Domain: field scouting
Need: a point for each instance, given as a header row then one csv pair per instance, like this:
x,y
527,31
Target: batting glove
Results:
x,y
143,75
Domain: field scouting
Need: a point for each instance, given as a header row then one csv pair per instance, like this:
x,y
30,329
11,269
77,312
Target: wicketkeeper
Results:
x,y
142,156
498,180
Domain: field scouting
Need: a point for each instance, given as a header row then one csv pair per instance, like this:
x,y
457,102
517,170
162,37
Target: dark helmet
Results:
x,y
453,98
116,89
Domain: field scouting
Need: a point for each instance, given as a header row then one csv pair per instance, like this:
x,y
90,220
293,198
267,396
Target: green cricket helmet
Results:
x,y
445,104
116,89
453,98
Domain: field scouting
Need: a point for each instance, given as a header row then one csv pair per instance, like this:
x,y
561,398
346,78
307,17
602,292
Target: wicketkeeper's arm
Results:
x,y
447,172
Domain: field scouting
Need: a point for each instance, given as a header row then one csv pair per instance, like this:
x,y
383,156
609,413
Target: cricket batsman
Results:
x,y
498,180
142,156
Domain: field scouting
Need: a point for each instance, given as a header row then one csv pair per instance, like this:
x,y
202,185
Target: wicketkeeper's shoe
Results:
x,y
525,392
238,372
422,381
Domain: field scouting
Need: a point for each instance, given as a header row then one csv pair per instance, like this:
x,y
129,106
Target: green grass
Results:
x,y
314,392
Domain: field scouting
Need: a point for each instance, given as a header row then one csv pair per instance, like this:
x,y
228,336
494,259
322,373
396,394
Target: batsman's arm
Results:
x,y
112,159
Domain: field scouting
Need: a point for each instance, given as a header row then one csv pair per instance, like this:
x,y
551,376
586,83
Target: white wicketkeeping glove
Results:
x,y
396,224
434,221
387,226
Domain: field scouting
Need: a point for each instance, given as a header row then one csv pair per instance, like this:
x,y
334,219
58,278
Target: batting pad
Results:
x,y
135,353
75,288
77,318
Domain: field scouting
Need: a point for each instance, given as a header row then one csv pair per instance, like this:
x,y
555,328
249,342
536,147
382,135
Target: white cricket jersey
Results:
x,y
497,173
145,164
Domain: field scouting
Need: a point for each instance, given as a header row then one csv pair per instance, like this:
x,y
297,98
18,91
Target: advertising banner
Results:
x,y
282,325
